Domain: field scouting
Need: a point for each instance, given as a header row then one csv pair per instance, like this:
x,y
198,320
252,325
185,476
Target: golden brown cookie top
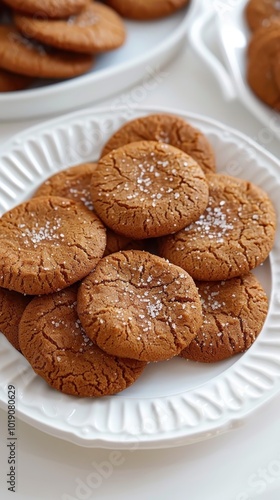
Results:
x,y
55,344
167,129
234,234
23,56
140,306
146,189
48,8
145,10
12,305
97,28
73,183
233,313
47,244
261,13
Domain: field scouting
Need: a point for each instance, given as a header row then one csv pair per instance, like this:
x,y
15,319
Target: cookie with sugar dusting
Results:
x,y
167,129
148,189
74,183
139,306
97,28
12,306
233,236
53,341
47,244
233,313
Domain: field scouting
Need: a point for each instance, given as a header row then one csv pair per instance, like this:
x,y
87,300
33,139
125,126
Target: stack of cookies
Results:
x,y
59,39
140,257
263,71
55,39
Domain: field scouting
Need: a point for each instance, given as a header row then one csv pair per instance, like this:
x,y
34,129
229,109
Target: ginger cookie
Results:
x,y
167,129
54,343
48,8
23,56
139,306
261,13
233,313
47,244
73,183
12,305
262,52
146,189
234,234
10,82
144,10
96,29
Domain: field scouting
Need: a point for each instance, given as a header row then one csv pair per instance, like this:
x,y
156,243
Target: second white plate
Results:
x,y
148,47
174,402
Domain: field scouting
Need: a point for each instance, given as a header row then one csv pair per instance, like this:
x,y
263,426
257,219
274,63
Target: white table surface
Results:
x,y
240,465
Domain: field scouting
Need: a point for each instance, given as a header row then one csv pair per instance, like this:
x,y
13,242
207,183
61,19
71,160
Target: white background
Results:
x,y
242,464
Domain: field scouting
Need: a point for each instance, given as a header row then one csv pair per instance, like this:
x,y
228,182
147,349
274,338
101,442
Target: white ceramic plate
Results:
x,y
148,47
174,402
234,35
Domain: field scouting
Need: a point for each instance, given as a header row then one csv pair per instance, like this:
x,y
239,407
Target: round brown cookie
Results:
x,y
233,313
140,306
54,342
260,13
146,189
73,183
143,10
168,129
10,82
12,305
96,29
48,8
23,56
234,235
262,52
47,244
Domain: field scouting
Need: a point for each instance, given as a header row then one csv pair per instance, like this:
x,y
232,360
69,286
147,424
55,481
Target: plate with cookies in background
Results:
x,y
139,282
248,33
55,57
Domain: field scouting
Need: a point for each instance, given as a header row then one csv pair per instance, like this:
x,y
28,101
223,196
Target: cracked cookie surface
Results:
x,y
147,189
167,129
12,305
140,306
233,313
97,28
234,234
53,341
47,244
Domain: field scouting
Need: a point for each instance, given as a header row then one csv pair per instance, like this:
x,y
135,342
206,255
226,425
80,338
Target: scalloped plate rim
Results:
x,y
182,435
